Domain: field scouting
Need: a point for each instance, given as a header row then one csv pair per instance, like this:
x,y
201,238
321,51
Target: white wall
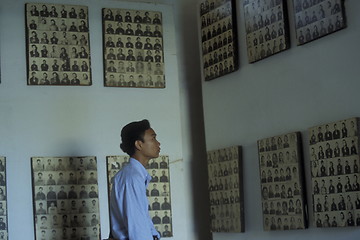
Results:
x,y
78,121
291,91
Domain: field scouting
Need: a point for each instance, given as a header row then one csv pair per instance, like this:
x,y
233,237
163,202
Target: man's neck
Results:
x,y
143,160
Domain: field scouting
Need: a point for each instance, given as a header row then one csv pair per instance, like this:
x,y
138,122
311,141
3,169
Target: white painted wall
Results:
x,y
291,91
78,121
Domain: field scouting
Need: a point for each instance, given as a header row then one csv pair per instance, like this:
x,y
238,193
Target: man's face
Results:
x,y
150,147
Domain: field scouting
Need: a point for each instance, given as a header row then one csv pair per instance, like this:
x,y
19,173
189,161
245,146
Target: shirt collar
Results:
x,y
142,170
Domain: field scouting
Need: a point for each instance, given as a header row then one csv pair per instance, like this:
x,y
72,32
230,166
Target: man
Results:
x,y
129,214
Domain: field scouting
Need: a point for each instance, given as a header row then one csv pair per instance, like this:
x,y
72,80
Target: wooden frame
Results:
x,y
334,160
133,48
57,45
282,182
219,42
65,197
226,190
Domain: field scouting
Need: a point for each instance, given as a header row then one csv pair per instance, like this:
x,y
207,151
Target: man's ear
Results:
x,y
138,144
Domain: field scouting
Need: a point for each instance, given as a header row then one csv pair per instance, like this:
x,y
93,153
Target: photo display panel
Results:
x,y
158,191
218,38
315,19
57,45
267,31
334,159
226,190
66,199
282,182
133,48
3,200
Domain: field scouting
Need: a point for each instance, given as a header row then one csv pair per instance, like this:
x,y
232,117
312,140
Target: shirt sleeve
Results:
x,y
139,224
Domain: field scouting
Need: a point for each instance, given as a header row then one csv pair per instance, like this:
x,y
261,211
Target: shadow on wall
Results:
x,y
191,75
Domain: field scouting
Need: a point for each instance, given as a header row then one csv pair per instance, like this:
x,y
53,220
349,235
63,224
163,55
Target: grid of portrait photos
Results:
x,y
3,200
218,38
282,183
315,19
57,43
66,199
158,191
133,48
226,190
266,24
334,158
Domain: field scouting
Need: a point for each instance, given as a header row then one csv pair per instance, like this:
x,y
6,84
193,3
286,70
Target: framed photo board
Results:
x,y
267,30
226,190
282,182
158,191
65,197
133,48
3,200
315,19
334,159
218,38
57,45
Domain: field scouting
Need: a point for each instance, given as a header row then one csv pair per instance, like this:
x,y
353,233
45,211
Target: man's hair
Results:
x,y
132,132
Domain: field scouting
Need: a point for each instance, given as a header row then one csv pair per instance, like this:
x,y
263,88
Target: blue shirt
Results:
x,y
129,214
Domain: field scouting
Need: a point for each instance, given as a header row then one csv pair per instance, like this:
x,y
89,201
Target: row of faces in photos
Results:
x,y
63,53
223,169
277,143
283,223
219,69
66,177
57,11
224,197
132,42
284,207
336,202
228,225
63,25
284,173
223,155
277,158
134,80
53,207
91,233
223,42
217,29
332,185
66,191
135,63
54,78
271,35
58,40
318,29
282,190
338,219
132,29
216,15
58,65
209,5
265,50
334,149
225,211
332,131
335,167
129,16
160,217
63,163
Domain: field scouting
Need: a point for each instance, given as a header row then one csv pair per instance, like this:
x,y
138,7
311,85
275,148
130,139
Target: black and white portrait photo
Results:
x,y
226,190
266,28
218,38
158,190
282,182
58,48
66,197
3,200
133,48
334,161
315,19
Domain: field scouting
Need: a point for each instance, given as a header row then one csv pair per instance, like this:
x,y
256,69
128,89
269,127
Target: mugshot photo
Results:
x,y
157,192
266,27
218,38
133,48
65,194
315,19
57,43
282,182
334,162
